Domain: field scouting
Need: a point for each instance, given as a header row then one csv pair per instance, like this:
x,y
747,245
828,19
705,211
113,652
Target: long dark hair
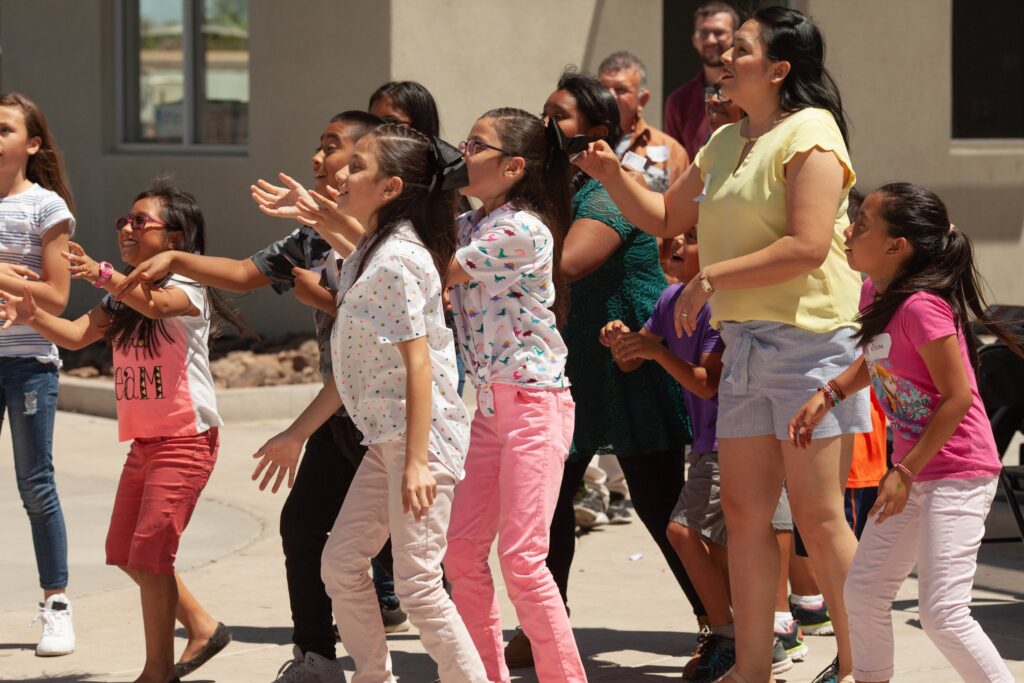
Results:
x,y
46,166
791,36
595,102
543,189
409,154
941,262
130,329
415,100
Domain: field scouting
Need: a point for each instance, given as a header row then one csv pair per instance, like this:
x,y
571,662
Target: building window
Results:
x,y
184,73
988,69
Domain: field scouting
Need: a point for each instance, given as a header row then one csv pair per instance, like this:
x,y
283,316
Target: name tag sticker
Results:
x,y
880,346
658,153
634,162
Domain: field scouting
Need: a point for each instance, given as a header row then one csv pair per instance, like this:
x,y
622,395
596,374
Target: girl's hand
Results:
x,y
146,273
419,489
801,427
611,332
279,456
635,346
688,305
15,309
321,213
308,289
278,201
598,161
16,270
893,492
80,264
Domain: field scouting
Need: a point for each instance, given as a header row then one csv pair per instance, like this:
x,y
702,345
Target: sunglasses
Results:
x,y
139,222
470,147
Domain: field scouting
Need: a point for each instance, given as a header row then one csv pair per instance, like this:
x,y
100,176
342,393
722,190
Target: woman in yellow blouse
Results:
x,y
770,194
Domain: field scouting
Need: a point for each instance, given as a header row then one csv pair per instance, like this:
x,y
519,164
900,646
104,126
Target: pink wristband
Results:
x,y
900,467
106,272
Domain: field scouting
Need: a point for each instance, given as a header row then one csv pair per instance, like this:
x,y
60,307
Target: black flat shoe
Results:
x,y
217,642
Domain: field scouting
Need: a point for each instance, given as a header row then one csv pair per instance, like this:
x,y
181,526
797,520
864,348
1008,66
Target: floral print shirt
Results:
x,y
505,324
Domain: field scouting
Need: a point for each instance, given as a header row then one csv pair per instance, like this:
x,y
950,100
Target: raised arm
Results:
x,y
660,215
68,334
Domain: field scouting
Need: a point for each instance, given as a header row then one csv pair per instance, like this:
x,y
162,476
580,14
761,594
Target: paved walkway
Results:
x,y
631,622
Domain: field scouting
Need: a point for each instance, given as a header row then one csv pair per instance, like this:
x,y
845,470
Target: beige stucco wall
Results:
x,y
892,61
479,55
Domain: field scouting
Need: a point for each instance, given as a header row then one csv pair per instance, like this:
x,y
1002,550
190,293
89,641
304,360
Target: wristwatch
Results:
x,y
705,283
106,272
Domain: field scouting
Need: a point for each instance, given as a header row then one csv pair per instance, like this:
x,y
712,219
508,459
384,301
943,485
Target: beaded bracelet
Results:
x,y
837,389
830,395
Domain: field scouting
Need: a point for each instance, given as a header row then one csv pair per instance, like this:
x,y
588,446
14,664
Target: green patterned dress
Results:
x,y
628,414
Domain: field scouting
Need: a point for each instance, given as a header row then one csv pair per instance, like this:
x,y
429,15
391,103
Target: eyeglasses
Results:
x,y
714,92
470,147
139,221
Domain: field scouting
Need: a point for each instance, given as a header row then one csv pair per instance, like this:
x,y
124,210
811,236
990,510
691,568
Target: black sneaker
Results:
x,y
830,674
690,668
618,513
717,656
814,621
780,660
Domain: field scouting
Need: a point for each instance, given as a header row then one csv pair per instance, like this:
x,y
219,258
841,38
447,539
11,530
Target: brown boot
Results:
x,y
518,652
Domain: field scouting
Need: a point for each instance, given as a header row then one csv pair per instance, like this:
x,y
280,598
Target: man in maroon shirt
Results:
x,y
714,24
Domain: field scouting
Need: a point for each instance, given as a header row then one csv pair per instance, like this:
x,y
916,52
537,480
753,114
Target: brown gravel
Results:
x,y
235,362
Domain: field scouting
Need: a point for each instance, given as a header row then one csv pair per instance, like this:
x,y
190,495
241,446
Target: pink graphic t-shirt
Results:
x,y
168,392
904,387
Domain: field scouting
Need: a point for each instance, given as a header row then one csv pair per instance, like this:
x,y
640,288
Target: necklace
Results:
x,y
775,122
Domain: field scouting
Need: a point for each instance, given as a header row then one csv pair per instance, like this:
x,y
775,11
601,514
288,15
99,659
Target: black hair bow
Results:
x,y
450,167
574,145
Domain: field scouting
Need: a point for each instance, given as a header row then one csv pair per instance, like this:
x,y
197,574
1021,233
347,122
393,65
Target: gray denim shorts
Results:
x,y
771,369
700,502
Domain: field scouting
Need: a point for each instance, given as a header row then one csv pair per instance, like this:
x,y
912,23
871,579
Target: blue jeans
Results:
x,y
28,394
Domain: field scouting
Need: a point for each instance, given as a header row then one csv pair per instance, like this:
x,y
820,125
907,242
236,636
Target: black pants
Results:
x,y
655,481
325,473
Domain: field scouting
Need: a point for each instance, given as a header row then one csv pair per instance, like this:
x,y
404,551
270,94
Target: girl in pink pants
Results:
x,y
507,304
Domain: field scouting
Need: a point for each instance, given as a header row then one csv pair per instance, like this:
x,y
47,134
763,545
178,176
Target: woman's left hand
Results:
x,y
419,488
688,305
893,492
80,264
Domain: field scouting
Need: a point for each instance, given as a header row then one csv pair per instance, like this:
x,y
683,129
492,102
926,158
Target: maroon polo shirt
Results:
x,y
686,118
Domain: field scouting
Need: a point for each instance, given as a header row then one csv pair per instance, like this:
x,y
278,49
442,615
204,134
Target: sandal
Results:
x,y
217,642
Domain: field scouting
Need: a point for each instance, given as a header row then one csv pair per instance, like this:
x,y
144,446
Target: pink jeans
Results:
x,y
940,529
513,474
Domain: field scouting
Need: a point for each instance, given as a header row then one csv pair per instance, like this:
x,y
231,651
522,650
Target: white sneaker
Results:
x,y
310,668
58,631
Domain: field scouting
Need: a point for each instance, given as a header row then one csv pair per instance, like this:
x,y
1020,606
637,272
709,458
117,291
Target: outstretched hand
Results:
x,y
146,273
17,270
278,201
20,310
278,457
80,264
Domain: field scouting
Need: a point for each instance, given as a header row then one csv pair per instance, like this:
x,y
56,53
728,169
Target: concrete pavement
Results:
x,y
631,622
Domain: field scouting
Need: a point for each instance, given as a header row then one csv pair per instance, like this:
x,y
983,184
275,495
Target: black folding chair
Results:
x,y
1001,384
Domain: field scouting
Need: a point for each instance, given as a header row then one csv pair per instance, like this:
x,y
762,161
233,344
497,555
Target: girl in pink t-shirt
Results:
x,y
919,358
165,406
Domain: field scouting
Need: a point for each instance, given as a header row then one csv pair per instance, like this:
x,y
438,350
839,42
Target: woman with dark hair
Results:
x,y
407,103
771,194
615,274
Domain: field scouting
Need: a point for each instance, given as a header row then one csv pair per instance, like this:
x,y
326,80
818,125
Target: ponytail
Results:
x,y
545,187
941,262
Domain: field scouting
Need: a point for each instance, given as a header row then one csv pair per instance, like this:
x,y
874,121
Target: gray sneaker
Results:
x,y
781,661
310,668
589,509
618,513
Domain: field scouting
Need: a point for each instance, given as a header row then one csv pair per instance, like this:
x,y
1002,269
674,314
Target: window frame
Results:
x,y
126,38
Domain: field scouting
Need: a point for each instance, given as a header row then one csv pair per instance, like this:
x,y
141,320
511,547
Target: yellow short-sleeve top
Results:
x,y
743,210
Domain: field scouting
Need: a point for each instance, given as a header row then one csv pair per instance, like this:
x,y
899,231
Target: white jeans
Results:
x,y
373,509
940,529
